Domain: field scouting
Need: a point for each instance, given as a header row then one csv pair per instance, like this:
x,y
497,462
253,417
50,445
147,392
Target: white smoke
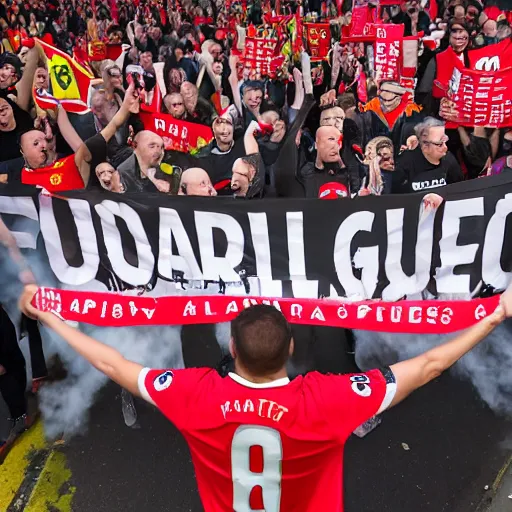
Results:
x,y
487,366
65,404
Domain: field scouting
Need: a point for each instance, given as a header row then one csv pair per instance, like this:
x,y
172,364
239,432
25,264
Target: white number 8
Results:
x,y
244,480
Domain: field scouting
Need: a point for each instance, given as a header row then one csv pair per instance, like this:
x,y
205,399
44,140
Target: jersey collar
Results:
x,y
274,384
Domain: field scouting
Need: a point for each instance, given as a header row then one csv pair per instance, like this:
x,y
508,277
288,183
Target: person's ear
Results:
x,y
292,347
232,350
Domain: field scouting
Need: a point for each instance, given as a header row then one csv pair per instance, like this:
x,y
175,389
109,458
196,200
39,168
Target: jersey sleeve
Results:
x,y
171,391
352,399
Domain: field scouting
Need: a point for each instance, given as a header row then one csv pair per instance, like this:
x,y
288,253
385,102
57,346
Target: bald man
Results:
x,y
328,166
196,182
139,169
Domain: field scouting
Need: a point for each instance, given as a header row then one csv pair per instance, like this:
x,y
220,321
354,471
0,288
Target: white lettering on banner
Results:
x,y
190,309
223,239
81,214
261,244
108,211
89,304
480,312
23,230
318,315
451,254
365,257
185,261
363,310
215,266
492,271
296,310
401,284
488,63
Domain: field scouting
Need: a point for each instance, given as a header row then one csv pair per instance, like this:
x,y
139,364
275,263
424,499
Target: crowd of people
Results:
x,y
329,127
284,133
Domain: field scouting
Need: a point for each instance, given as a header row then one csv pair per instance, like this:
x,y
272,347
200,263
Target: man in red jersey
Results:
x,y
258,440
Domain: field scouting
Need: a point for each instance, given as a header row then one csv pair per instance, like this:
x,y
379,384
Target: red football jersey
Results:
x,y
61,176
276,446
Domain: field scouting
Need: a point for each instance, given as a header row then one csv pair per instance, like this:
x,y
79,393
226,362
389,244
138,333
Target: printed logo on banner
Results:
x,y
163,381
488,63
360,385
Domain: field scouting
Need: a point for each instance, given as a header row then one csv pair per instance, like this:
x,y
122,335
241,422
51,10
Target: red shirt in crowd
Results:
x,y
61,176
276,446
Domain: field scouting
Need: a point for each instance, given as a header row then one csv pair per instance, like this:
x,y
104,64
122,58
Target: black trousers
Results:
x,y
36,348
14,383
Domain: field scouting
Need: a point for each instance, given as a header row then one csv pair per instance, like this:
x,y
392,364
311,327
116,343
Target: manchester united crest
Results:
x,y
56,179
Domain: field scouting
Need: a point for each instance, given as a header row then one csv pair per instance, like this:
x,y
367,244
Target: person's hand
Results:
x,y
432,201
279,132
506,303
328,98
253,127
3,371
131,100
25,302
448,110
115,183
4,178
162,185
27,277
364,192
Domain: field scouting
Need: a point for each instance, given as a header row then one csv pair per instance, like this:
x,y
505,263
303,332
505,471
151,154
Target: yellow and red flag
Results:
x,y
69,80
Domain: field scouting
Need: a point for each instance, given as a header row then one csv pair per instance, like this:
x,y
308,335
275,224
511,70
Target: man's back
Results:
x,y
276,446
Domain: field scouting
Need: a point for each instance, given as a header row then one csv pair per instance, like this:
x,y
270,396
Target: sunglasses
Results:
x,y
114,73
176,105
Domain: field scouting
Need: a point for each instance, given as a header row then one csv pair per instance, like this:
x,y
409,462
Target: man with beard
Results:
x,y
140,172
44,170
391,114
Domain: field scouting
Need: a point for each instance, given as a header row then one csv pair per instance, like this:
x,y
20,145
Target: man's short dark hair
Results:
x,y
262,338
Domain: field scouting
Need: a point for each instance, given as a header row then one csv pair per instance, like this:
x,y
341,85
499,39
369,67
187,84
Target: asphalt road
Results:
x,y
456,447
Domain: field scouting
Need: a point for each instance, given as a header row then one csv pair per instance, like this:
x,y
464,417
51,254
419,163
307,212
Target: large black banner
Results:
x,y
386,247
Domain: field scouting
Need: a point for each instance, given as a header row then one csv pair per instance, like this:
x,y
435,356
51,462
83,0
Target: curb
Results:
x,y
487,500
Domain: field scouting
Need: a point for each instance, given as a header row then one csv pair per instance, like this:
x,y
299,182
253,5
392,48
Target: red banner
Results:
x,y
116,310
259,54
388,42
482,98
318,36
177,135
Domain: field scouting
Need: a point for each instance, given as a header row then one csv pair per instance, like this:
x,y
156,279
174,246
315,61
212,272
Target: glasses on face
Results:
x,y
176,105
114,73
438,144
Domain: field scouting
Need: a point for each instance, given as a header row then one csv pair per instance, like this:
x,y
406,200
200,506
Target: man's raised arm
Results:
x,y
106,359
131,105
414,373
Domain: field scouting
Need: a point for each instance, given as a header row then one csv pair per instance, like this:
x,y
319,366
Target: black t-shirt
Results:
x,y
415,173
9,145
220,164
313,178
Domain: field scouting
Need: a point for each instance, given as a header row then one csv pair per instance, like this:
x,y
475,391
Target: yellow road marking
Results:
x,y
51,489
12,471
